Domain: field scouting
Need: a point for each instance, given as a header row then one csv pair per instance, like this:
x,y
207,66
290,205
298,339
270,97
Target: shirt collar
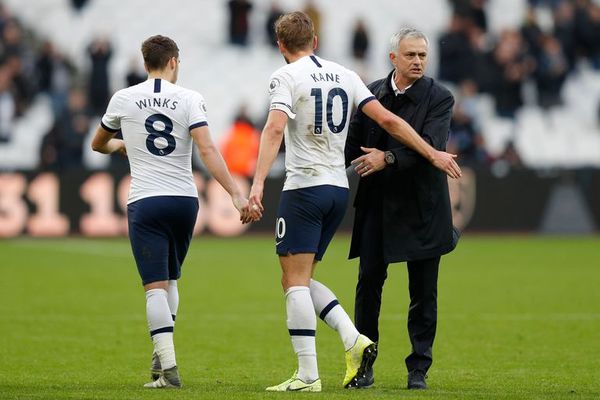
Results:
x,y
395,87
415,92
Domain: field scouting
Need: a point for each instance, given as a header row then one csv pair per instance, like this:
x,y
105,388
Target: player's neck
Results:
x,y
298,55
161,75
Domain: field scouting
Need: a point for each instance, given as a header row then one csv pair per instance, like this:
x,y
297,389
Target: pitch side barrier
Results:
x,y
88,203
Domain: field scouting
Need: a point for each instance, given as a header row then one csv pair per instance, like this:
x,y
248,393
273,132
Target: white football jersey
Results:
x,y
156,118
318,96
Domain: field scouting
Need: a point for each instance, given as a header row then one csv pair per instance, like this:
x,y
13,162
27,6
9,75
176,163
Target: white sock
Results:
x,y
302,326
160,325
329,310
173,298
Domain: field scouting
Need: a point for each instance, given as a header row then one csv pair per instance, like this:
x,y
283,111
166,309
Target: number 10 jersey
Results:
x,y
156,118
318,96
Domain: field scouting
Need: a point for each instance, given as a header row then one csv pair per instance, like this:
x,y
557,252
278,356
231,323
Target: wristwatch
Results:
x,y
390,158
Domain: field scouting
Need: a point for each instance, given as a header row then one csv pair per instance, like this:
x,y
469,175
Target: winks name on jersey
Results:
x,y
156,102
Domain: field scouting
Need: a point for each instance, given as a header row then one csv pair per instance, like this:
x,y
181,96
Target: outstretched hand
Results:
x,y
447,163
372,161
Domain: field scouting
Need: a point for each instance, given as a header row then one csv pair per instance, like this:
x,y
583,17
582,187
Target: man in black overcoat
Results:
x,y
402,203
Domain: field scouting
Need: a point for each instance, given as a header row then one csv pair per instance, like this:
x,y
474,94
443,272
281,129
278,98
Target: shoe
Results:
x,y
295,384
168,380
155,368
359,358
416,379
366,379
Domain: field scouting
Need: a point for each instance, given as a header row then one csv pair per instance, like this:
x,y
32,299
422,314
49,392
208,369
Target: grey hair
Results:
x,y
405,33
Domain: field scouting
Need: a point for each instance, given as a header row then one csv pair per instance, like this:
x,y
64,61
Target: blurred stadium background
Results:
x,y
525,74
519,315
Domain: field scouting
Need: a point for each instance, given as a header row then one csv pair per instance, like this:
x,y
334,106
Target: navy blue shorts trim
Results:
x,y
307,219
160,231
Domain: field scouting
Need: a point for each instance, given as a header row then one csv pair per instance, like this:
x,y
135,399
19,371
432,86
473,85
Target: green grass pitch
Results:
x,y
519,318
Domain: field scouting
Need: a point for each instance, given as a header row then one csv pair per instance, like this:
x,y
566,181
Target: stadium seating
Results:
x,y
227,76
23,150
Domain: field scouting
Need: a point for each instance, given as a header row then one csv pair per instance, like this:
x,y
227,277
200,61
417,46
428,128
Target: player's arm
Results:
x,y
403,132
270,141
434,131
213,160
105,142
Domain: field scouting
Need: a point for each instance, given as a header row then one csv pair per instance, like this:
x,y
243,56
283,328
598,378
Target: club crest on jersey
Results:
x,y
273,85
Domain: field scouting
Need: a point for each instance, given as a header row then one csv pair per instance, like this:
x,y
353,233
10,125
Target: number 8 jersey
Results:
x,y
318,96
156,118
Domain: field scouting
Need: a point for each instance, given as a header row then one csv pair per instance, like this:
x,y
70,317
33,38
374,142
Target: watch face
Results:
x,y
389,157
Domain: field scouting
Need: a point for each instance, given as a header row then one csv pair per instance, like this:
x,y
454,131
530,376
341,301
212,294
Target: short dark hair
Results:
x,y
157,51
295,31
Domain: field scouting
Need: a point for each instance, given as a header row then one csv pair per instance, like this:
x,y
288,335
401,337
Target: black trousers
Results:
x,y
422,286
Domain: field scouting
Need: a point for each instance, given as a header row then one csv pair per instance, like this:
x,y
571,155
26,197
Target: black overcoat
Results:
x,y
412,194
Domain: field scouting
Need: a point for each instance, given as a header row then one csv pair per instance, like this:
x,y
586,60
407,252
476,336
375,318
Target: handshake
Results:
x,y
251,210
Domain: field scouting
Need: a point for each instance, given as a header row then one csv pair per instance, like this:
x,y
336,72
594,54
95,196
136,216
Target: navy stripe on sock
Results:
x,y
173,316
161,330
328,308
302,332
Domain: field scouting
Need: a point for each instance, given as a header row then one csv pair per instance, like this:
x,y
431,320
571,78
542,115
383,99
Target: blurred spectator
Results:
x,y
564,30
62,148
22,84
78,5
7,105
472,10
551,71
55,74
238,21
311,9
509,66
17,56
543,3
455,52
5,15
531,32
274,12
135,74
240,146
509,159
469,102
587,30
465,128
100,53
465,140
360,40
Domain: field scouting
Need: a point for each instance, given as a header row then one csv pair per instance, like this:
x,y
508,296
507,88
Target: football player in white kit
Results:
x,y
160,122
312,99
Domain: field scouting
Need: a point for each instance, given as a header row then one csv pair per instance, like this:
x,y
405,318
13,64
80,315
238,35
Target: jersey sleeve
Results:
x,y
362,94
197,112
111,120
280,92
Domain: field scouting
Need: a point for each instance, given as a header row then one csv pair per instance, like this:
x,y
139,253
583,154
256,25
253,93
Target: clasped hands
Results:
x,y
251,209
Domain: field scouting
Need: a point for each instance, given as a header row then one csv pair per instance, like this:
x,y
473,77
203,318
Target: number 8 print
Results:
x,y
155,134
